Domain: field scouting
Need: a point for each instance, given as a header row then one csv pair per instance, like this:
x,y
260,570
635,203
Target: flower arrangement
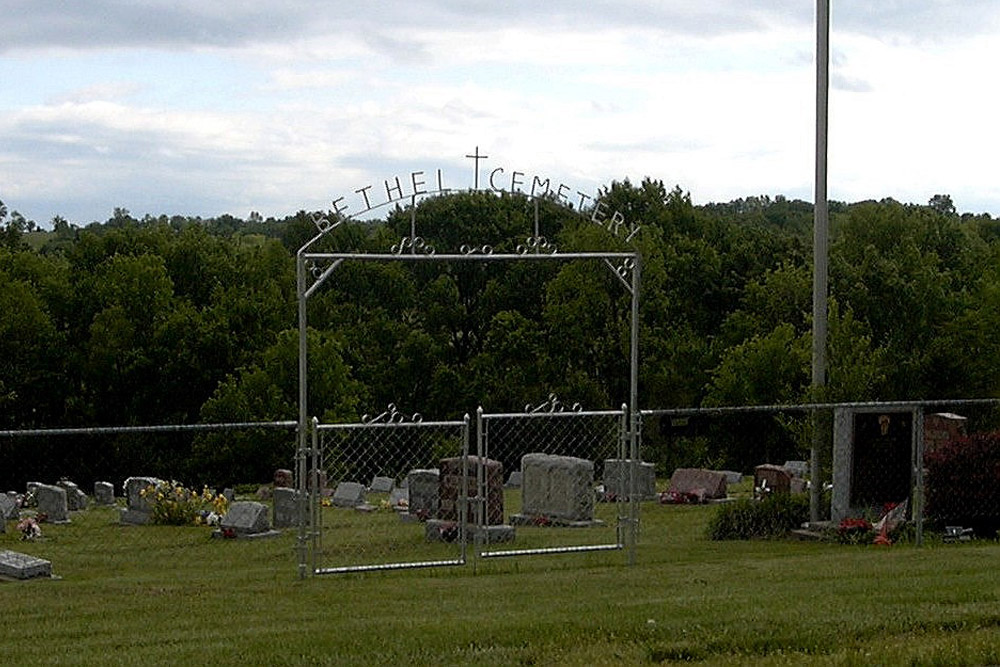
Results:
x,y
173,504
29,529
855,531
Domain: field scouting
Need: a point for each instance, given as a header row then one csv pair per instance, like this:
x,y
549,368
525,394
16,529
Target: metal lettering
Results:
x,y
562,195
616,222
389,191
337,208
535,181
364,193
477,157
493,175
514,183
417,184
583,197
598,214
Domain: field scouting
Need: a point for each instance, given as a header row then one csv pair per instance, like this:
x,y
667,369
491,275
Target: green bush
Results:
x,y
772,516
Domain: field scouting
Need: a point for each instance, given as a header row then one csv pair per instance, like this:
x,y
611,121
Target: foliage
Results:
x,y
855,531
172,504
769,517
963,483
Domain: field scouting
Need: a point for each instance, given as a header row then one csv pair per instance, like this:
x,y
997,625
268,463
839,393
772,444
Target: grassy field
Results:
x,y
168,595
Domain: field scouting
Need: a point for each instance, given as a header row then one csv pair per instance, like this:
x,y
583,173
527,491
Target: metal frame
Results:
x,y
626,266
627,510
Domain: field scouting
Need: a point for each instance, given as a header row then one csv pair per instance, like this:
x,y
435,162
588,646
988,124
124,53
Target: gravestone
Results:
x,y
557,489
138,509
283,477
245,518
75,498
425,497
348,494
229,494
285,507
514,480
732,476
52,503
872,460
381,484
16,565
705,484
316,479
104,493
798,469
941,428
29,493
617,476
8,508
399,499
771,478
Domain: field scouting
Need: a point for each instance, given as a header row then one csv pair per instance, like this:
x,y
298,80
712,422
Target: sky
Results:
x,y
197,108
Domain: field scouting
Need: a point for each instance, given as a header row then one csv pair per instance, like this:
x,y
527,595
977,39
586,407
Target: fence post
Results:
x,y
918,472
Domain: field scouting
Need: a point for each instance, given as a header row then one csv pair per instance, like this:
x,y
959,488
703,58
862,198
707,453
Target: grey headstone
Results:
x,y
732,477
381,485
104,493
399,498
617,477
134,488
52,502
514,480
29,493
246,517
22,566
285,507
229,494
348,494
560,487
797,468
8,508
425,493
75,498
283,477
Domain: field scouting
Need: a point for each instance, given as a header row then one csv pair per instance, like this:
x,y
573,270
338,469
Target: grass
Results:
x,y
172,595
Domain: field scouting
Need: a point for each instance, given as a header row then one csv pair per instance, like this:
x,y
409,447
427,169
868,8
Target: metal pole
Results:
x,y
820,250
634,411
301,457
918,472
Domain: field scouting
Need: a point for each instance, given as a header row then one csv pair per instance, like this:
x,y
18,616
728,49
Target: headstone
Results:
x,y
22,566
399,499
52,503
246,517
283,477
317,479
558,488
941,428
285,507
707,484
381,485
423,486
514,480
797,468
348,494
771,478
617,476
75,498
457,473
872,460
137,507
8,508
29,493
732,476
104,493
229,494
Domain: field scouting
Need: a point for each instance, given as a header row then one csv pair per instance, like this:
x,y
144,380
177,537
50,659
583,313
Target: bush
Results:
x,y
963,483
772,516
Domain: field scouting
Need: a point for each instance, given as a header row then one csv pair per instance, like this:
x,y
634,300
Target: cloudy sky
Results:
x,y
203,108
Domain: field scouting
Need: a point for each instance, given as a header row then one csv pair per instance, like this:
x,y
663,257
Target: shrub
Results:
x,y
772,516
963,483
174,505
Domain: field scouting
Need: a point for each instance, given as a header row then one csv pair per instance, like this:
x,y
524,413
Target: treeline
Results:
x,y
180,320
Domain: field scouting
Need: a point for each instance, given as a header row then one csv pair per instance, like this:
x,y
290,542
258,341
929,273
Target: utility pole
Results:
x,y
821,226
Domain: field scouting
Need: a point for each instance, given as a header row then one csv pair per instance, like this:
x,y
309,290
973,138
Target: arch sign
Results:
x,y
498,179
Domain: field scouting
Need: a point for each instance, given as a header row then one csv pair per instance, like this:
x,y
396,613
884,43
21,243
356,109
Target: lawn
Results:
x,y
170,595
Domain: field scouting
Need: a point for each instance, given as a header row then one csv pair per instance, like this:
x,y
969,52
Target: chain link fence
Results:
x,y
569,484
913,465
382,496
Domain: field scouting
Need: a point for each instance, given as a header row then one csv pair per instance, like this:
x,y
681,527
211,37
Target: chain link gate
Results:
x,y
373,495
577,489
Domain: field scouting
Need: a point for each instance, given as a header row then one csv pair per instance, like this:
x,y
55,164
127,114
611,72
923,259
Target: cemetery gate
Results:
x,y
313,268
